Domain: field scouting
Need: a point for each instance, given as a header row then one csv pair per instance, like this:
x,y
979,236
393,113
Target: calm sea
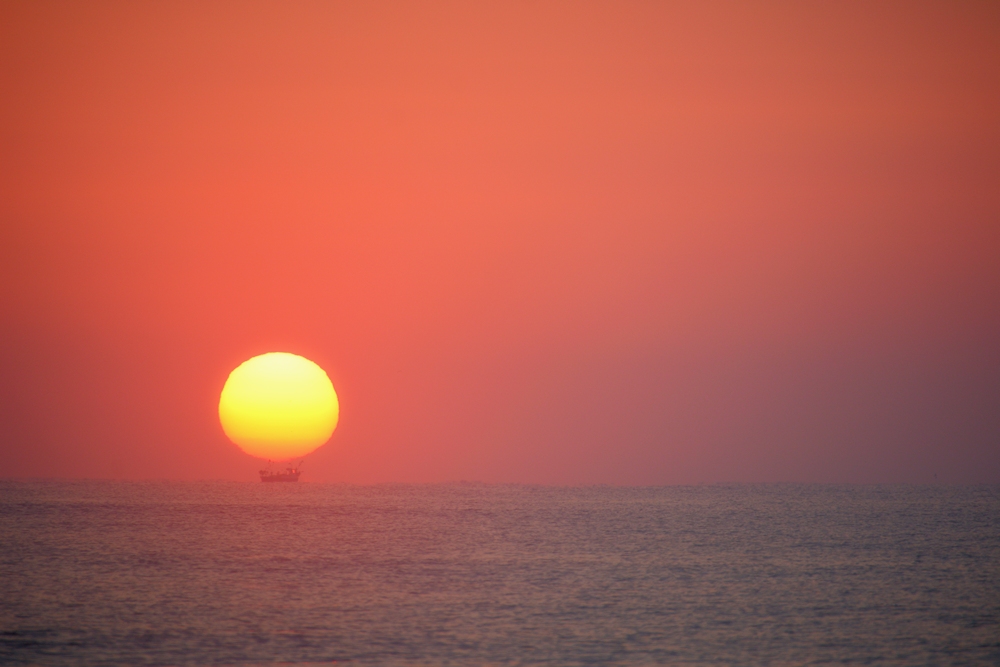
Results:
x,y
224,573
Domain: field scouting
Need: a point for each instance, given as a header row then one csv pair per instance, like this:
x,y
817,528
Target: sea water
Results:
x,y
162,573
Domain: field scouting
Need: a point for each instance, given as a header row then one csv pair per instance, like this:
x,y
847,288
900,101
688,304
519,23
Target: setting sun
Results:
x,y
278,406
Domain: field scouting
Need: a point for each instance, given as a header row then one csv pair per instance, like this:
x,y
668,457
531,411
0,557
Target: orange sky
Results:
x,y
633,243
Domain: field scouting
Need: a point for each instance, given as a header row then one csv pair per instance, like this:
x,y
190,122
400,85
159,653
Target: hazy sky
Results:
x,y
626,243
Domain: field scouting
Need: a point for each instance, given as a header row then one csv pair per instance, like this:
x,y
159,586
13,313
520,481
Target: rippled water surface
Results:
x,y
226,573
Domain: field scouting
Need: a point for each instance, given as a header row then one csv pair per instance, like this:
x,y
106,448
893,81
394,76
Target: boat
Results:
x,y
290,474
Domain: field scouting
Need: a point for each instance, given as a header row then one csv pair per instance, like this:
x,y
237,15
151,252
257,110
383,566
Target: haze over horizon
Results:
x,y
554,243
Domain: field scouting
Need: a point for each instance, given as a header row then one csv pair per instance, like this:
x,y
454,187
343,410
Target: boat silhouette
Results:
x,y
289,474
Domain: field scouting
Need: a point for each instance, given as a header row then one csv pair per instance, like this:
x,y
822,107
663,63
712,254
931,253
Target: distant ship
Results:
x,y
289,475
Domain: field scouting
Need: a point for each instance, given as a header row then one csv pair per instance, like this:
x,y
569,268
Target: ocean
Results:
x,y
220,573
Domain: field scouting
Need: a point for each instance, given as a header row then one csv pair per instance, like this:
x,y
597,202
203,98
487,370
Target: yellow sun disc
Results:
x,y
278,406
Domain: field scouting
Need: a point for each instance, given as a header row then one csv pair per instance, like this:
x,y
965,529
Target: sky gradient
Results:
x,y
561,243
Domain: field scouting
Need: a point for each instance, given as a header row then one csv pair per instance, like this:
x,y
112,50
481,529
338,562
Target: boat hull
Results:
x,y
279,477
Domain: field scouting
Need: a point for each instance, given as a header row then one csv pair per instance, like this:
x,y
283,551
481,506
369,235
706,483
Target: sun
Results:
x,y
278,406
